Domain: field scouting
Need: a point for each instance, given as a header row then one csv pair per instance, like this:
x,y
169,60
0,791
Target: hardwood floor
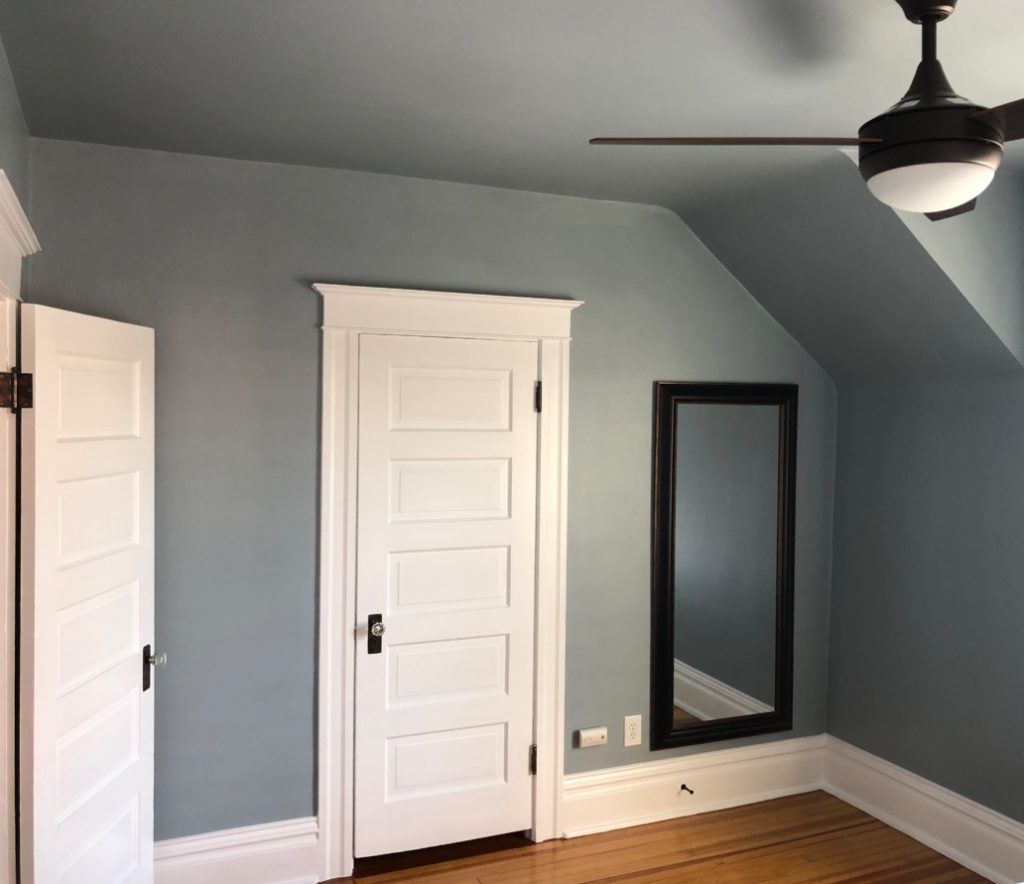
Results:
x,y
804,838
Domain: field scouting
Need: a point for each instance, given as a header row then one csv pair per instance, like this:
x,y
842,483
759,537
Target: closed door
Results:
x,y
87,521
446,540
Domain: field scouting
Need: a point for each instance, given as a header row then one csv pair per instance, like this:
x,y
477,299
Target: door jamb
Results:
x,y
17,241
348,312
8,594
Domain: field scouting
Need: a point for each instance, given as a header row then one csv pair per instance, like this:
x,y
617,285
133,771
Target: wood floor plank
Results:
x,y
813,837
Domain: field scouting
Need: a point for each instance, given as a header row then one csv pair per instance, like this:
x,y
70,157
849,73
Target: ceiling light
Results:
x,y
931,187
933,154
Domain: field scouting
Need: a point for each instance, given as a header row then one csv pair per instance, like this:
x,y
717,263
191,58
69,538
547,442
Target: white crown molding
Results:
x,y
272,853
984,841
618,797
14,221
707,698
395,311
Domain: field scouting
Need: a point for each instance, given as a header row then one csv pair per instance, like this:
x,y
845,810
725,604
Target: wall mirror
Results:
x,y
724,482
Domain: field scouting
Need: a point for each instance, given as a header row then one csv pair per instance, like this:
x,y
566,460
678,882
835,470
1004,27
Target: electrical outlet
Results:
x,y
589,737
633,730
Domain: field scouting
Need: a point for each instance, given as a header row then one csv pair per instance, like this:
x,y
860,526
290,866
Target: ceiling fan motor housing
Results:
x,y
918,10
911,136
930,126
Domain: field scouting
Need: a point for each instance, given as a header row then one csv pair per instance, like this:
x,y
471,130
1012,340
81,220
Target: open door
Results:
x,y
86,720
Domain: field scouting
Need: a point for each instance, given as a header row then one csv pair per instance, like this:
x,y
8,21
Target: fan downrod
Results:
x,y
919,10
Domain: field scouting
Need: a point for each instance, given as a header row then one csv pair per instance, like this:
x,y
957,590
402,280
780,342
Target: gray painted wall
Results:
x,y
13,133
983,254
927,664
218,255
727,474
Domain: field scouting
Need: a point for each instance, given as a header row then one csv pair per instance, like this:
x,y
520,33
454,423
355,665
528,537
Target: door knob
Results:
x,y
150,660
373,642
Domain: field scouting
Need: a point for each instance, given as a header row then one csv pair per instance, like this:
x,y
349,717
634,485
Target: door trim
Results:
x,y
8,516
17,242
348,312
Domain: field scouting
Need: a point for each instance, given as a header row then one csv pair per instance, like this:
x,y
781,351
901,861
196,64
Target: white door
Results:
x,y
87,600
445,555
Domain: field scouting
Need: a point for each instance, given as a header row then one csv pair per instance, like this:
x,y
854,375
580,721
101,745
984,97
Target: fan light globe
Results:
x,y
931,187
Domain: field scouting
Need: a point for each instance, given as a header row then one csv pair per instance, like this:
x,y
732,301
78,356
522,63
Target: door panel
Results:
x,y
447,580
87,600
443,490
446,547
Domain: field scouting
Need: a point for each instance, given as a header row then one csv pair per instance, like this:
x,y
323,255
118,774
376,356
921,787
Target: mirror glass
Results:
x,y
722,570
725,509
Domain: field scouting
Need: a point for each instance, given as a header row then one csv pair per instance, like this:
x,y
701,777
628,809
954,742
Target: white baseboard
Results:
x,y
706,698
597,801
273,853
968,833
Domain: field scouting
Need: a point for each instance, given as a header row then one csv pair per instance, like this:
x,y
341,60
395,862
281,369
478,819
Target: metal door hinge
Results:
x,y
533,760
15,390
538,396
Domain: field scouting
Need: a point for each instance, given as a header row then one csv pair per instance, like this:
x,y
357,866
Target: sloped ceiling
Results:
x,y
851,282
507,94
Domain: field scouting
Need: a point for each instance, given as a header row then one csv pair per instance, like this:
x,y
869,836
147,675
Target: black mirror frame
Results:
x,y
667,394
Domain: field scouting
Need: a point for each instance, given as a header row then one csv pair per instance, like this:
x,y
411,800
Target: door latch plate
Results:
x,y
374,634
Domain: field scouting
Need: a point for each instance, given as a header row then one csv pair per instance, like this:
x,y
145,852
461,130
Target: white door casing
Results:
x,y
87,600
8,323
350,312
17,242
446,540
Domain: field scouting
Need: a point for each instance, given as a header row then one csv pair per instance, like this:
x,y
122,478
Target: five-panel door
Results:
x,y
446,540
87,600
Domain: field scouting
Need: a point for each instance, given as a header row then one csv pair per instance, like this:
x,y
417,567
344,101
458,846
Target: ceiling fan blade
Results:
x,y
952,213
717,141
1006,118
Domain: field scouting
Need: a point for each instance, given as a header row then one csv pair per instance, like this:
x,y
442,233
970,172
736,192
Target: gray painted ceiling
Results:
x,y
501,92
507,92
859,290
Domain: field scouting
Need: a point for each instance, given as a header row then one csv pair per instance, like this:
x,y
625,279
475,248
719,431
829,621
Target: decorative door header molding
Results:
x,y
369,308
14,222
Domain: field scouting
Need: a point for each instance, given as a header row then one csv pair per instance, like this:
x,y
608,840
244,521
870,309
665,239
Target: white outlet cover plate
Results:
x,y
593,736
633,730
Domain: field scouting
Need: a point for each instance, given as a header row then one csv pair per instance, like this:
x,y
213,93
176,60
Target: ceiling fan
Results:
x,y
932,152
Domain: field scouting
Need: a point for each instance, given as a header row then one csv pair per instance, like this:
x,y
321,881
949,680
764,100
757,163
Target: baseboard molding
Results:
x,y
273,853
984,841
597,801
706,698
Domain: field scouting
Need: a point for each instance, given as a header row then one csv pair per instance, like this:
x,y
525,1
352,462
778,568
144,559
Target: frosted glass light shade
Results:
x,y
931,187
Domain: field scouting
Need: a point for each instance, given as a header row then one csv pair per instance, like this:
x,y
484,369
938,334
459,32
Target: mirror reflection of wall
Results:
x,y
726,502
724,484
